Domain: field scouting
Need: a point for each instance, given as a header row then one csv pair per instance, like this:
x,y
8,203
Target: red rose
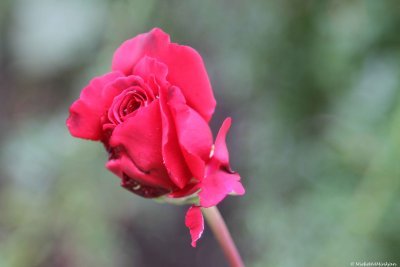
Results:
x,y
151,113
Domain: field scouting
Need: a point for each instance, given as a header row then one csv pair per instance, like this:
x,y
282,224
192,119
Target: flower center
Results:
x,y
127,103
131,101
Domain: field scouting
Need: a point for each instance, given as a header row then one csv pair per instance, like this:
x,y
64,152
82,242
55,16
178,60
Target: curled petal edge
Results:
x,y
220,180
195,222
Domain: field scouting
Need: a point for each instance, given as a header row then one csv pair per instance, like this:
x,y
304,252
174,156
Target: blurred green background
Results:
x,y
314,91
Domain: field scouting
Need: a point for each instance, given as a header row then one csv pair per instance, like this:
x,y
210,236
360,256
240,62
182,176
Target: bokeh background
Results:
x,y
314,91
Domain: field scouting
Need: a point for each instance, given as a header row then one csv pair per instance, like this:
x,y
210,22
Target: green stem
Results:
x,y
221,232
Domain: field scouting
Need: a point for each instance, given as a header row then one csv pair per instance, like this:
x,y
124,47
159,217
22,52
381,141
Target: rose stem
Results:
x,y
221,232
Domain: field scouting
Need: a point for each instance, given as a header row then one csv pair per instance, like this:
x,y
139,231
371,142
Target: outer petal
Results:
x,y
194,134
216,186
220,180
84,120
195,222
140,138
172,154
149,67
185,66
220,150
125,168
187,191
129,53
187,71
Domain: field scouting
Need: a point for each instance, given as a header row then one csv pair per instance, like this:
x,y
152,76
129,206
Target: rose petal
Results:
x,y
220,149
140,138
84,120
194,134
185,192
129,53
149,67
171,152
220,180
216,186
185,67
124,165
187,71
195,222
122,83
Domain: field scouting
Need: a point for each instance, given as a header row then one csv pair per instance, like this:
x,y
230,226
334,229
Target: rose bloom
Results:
x,y
151,112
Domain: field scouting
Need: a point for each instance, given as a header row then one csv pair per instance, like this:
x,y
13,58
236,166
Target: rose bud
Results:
x,y
151,113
